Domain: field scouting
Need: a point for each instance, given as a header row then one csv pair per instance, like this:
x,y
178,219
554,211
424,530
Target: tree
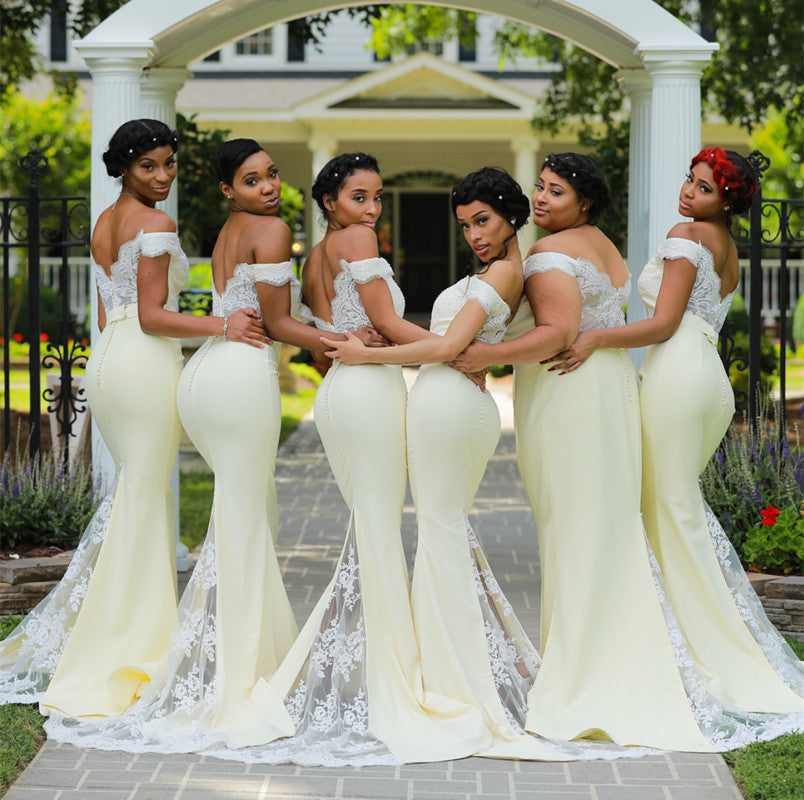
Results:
x,y
57,127
21,19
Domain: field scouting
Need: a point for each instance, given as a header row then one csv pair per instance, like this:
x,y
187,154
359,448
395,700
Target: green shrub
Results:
x,y
41,503
776,544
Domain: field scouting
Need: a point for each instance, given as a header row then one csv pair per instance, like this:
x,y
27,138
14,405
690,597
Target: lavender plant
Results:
x,y
42,503
750,471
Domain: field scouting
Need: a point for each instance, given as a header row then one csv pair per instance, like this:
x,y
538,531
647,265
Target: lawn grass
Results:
x,y
771,770
21,731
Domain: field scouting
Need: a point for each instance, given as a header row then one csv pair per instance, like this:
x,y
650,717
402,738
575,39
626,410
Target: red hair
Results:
x,y
733,174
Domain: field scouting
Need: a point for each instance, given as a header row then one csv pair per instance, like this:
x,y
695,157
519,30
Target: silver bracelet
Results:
x,y
225,326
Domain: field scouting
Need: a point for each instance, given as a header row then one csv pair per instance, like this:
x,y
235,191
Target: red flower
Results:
x,y
43,337
769,515
18,337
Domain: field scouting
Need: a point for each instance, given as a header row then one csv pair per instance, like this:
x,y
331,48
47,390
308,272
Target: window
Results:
x,y
258,44
296,31
58,32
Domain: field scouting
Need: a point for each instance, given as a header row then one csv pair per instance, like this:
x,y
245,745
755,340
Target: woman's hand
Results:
x,y
348,351
570,359
371,337
478,378
473,359
246,326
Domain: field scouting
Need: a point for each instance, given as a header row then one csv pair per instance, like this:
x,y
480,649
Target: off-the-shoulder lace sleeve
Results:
x,y
275,274
159,242
305,314
367,269
487,296
671,249
545,262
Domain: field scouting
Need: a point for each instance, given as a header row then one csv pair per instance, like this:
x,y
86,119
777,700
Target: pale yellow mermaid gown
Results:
x,y
608,667
352,680
234,623
86,649
687,405
473,648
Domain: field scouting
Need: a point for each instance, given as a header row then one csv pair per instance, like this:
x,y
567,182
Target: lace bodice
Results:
x,y
705,301
348,313
602,303
241,289
454,298
121,288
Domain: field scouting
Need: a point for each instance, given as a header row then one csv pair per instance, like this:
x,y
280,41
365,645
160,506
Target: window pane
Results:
x,y
258,44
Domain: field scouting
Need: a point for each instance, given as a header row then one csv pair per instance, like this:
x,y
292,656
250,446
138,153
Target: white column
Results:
x,y
638,84
675,127
160,85
322,148
525,149
116,98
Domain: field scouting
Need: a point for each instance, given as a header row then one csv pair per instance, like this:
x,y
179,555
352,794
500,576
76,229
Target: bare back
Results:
x,y
120,223
353,243
248,239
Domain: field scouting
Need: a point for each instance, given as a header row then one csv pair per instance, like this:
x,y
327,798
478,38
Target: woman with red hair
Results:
x,y
687,405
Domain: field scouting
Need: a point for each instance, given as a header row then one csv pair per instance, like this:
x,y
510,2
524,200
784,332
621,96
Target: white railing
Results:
x,y
770,286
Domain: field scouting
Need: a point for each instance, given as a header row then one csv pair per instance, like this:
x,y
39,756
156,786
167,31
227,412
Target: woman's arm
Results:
x,y
674,294
555,300
152,292
431,350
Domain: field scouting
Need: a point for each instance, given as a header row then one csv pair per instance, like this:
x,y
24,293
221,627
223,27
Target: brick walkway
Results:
x,y
313,523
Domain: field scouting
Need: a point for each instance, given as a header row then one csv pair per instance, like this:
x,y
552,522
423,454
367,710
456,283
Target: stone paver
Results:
x,y
313,522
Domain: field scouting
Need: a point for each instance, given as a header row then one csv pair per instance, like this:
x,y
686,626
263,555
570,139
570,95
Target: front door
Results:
x,y
423,248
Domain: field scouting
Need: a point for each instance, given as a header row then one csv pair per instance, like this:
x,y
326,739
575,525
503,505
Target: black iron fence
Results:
x,y
33,226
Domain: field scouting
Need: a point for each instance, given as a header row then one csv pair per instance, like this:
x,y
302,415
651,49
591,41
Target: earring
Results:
x,y
513,221
727,208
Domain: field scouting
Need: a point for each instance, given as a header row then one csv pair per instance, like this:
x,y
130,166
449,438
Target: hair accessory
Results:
x,y
130,150
499,197
573,174
334,174
726,188
154,139
357,158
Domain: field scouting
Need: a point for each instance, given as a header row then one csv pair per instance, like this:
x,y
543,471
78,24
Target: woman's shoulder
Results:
x,y
352,243
152,220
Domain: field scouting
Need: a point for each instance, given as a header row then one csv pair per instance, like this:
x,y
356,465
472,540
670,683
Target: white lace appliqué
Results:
x,y
241,289
454,298
601,302
124,270
705,301
347,309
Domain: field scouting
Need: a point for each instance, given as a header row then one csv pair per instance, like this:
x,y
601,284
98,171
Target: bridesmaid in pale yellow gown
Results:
x,y
687,405
473,648
88,647
608,667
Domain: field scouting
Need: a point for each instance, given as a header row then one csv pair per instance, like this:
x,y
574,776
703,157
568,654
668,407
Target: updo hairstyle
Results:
x,y
496,188
734,174
132,139
586,178
335,172
230,155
